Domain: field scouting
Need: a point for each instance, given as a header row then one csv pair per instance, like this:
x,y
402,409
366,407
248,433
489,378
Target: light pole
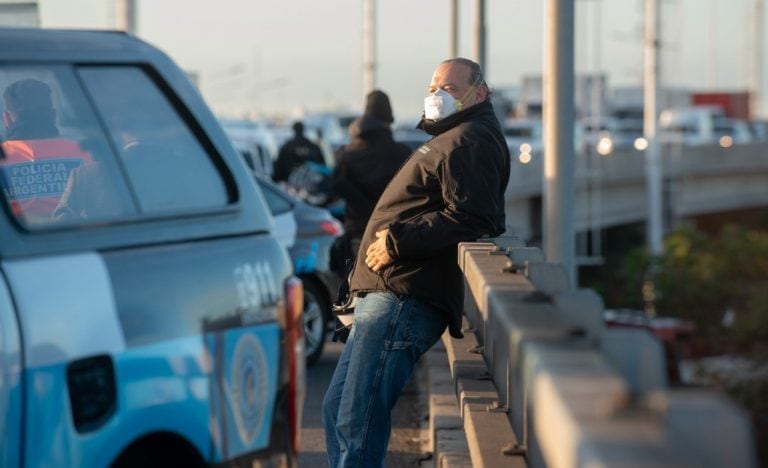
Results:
x,y
650,122
599,149
559,244
479,52
756,63
652,152
128,16
369,46
453,50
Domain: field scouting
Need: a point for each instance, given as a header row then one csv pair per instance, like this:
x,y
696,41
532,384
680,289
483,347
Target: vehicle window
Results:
x,y
97,144
166,165
277,202
50,138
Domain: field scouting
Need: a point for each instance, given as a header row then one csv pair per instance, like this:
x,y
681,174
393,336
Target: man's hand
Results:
x,y
377,257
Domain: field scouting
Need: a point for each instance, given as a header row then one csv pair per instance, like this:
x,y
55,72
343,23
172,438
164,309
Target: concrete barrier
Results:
x,y
539,381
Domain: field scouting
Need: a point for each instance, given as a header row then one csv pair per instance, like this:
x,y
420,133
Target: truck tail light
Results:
x,y
294,299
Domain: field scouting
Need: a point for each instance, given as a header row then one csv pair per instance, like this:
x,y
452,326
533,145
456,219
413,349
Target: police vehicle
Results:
x,y
148,316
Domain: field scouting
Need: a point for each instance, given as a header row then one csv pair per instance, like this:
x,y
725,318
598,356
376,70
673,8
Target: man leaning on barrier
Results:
x,y
406,276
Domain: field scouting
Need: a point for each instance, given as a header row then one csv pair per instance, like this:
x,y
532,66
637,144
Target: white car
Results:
x,y
255,142
524,138
332,127
690,126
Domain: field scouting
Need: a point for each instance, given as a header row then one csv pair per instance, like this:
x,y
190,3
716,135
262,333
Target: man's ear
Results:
x,y
482,93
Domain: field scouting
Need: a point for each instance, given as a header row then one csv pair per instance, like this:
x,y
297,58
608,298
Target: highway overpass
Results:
x,y
610,190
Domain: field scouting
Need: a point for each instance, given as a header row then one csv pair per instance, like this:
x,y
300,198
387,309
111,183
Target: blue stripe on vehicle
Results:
x,y
161,387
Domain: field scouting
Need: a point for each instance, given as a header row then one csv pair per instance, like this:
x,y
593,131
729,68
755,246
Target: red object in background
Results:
x,y
734,104
666,329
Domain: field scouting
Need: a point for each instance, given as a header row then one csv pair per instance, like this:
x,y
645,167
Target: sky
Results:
x,y
286,57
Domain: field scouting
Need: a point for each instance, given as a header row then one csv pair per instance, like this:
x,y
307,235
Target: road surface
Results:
x,y
409,423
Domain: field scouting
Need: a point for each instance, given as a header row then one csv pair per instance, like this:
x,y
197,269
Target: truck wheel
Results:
x,y
316,316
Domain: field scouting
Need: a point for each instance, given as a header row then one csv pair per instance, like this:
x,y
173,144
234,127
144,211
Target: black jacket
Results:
x,y
363,169
295,152
450,190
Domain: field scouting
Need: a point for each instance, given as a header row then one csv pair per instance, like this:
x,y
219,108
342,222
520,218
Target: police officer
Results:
x,y
37,162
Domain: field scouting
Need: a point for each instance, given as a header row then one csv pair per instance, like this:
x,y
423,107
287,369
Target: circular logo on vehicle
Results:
x,y
249,387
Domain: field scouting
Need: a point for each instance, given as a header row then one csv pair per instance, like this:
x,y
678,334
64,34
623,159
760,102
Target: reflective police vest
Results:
x,y
34,173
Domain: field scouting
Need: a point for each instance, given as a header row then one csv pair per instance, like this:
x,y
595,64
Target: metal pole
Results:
x,y
597,109
650,117
369,46
454,27
757,58
128,16
559,244
479,46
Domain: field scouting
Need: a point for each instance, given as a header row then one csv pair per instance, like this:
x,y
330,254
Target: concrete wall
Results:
x,y
540,381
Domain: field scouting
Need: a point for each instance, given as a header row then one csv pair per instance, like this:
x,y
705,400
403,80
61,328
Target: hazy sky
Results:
x,y
282,56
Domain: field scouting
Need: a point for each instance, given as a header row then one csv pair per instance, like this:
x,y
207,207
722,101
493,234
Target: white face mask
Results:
x,y
440,105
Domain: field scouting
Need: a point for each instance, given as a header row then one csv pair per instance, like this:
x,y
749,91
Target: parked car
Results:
x,y
728,131
148,316
758,130
626,132
255,142
691,126
524,138
316,229
599,134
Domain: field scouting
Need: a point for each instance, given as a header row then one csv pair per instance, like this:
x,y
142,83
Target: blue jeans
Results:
x,y
390,334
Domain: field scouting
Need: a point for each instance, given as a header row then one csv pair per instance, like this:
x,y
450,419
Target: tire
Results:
x,y
317,315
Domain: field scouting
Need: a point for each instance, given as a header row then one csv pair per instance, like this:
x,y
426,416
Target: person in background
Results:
x,y
294,153
36,161
406,277
365,166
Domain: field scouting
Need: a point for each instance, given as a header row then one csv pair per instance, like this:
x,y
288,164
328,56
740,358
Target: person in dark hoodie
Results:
x,y
365,166
406,278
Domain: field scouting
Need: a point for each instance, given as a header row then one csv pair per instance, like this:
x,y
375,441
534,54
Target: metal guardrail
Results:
x,y
569,391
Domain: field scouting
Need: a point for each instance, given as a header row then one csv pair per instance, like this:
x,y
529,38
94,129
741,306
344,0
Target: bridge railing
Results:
x,y
566,390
